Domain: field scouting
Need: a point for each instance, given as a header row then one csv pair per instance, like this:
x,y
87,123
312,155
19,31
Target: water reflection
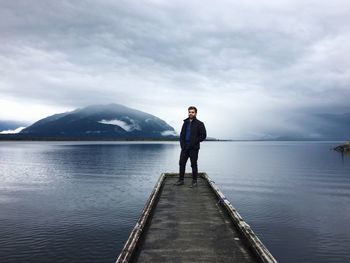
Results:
x,y
345,155
73,202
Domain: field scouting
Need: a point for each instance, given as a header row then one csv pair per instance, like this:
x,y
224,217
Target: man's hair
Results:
x,y
192,108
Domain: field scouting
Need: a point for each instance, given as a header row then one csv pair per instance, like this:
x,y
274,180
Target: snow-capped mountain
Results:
x,y
111,120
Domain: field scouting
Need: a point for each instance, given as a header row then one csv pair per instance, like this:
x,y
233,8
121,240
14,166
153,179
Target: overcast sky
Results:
x,y
248,66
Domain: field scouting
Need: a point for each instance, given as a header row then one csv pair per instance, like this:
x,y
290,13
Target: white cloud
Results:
x,y
126,126
169,132
12,131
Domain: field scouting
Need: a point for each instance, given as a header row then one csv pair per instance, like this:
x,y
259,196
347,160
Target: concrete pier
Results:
x,y
183,224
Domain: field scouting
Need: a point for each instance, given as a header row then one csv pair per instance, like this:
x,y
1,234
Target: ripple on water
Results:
x,y
79,201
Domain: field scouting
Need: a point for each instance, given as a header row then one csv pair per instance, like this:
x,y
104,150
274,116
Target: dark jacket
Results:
x,y
198,134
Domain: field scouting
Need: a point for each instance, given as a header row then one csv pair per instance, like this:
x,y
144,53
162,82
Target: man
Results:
x,y
192,133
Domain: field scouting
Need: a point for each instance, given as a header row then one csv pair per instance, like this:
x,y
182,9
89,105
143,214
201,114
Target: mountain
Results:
x,y
109,120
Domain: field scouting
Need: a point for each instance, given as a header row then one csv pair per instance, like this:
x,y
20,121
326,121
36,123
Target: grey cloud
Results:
x,y
277,58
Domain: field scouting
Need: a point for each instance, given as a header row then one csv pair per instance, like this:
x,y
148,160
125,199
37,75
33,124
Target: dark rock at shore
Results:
x,y
343,148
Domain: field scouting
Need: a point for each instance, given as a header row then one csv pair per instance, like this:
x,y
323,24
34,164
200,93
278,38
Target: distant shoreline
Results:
x,y
16,137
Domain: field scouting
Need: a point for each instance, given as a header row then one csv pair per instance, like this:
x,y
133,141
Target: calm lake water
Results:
x,y
78,201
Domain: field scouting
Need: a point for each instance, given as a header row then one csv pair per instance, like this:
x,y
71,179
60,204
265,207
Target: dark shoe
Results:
x,y
193,184
179,182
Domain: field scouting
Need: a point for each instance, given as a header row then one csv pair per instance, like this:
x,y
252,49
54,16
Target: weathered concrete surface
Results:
x,y
188,225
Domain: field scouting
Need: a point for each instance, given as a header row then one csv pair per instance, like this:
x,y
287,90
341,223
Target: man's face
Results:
x,y
191,114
